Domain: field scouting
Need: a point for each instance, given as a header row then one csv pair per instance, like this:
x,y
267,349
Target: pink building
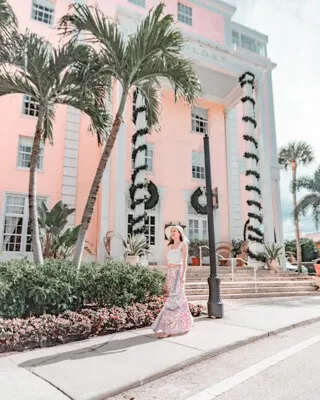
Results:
x,y
223,51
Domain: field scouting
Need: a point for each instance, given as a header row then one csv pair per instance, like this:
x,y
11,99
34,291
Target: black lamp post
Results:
x,y
215,305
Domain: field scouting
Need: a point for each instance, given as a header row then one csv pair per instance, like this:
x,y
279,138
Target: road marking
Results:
x,y
242,376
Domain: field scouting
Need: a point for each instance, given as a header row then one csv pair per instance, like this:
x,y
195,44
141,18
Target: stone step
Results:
x,y
251,278
191,292
255,295
249,284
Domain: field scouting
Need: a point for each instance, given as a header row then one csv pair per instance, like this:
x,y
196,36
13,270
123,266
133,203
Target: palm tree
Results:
x,y
311,200
139,61
8,30
52,76
8,19
291,156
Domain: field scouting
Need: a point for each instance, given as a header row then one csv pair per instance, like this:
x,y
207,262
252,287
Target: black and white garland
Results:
x,y
139,185
255,235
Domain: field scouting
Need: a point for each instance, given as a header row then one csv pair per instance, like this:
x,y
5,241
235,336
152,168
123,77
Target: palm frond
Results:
x,y
151,92
12,82
94,26
296,152
8,19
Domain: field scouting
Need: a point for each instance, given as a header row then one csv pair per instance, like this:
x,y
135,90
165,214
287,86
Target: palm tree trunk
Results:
x,y
296,218
88,211
33,212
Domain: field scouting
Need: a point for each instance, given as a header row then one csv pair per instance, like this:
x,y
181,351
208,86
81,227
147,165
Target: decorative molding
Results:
x,y
70,161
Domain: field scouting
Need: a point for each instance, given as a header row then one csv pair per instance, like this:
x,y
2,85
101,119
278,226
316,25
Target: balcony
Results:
x,y
248,39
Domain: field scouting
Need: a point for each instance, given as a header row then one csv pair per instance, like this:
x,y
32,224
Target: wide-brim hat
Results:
x,y
179,229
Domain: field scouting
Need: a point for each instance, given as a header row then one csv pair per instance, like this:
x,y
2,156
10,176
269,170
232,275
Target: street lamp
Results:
x,y
215,305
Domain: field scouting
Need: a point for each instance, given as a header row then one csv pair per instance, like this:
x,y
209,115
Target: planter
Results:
x,y
317,269
195,261
273,265
132,260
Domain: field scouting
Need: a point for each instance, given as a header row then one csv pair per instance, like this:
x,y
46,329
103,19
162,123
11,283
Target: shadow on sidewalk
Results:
x,y
110,346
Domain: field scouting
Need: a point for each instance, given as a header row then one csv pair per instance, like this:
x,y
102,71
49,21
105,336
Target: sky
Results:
x,y
294,45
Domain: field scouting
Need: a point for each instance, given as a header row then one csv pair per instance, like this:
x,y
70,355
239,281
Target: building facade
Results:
x,y
223,51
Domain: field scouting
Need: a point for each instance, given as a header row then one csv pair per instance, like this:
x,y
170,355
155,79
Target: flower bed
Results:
x,y
48,330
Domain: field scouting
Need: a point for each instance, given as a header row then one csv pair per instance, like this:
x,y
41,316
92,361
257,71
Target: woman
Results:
x,y
175,317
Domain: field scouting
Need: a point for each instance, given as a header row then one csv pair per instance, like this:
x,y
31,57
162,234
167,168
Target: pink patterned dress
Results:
x,y
175,317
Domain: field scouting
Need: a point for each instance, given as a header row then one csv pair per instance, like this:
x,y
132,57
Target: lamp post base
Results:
x,y
215,305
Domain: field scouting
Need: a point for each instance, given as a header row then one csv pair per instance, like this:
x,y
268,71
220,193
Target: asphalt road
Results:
x,y
281,367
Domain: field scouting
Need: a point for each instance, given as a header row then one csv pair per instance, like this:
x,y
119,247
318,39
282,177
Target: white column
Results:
x,y
234,195
264,168
120,223
274,157
105,185
140,164
252,168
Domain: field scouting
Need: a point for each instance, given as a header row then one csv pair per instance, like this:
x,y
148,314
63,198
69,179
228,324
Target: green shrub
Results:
x,y
27,289
308,249
118,284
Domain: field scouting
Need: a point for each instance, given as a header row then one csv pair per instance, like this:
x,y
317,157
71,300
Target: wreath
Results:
x,y
200,209
153,200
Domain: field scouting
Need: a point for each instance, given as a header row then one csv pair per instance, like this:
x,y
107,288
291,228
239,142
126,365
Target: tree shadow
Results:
x,y
109,347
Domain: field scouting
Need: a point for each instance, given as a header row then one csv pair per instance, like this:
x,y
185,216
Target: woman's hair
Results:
x,y
171,241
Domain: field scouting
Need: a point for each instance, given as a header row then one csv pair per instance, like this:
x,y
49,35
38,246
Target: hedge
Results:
x,y
19,334
30,290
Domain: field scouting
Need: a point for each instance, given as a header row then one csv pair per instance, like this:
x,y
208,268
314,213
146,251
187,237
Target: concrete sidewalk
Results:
x,y
101,367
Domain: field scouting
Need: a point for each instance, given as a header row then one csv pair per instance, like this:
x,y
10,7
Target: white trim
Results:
x,y
233,171
249,31
264,169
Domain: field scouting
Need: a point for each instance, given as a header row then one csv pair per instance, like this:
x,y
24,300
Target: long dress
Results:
x,y
175,317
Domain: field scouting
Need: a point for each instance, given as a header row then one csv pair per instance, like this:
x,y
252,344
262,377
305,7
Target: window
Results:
x,y
30,106
249,43
16,232
24,153
199,120
43,11
198,171
148,158
141,3
150,224
197,224
184,14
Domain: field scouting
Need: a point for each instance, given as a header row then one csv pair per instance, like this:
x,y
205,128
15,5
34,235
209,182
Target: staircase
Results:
x,y
242,283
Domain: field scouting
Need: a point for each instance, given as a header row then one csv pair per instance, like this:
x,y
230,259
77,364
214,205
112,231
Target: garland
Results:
x,y
195,202
255,234
136,184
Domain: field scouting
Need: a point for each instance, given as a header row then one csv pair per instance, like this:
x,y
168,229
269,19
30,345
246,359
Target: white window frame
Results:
x,y
150,215
25,223
202,224
149,157
27,141
139,3
150,149
43,11
184,13
29,101
198,167
258,46
199,120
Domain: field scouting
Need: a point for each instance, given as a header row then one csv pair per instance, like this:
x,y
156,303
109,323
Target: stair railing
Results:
x,y
233,265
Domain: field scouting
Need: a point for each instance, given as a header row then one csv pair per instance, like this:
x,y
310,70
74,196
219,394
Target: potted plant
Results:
x,y
272,255
317,267
194,251
135,246
237,251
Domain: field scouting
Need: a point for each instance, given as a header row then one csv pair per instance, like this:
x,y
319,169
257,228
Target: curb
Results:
x,y
200,358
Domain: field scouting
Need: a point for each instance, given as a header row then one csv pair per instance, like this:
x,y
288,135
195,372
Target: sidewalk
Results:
x,y
101,367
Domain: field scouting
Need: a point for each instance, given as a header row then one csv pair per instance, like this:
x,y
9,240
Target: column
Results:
x,y
275,175
120,223
70,161
234,196
265,171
